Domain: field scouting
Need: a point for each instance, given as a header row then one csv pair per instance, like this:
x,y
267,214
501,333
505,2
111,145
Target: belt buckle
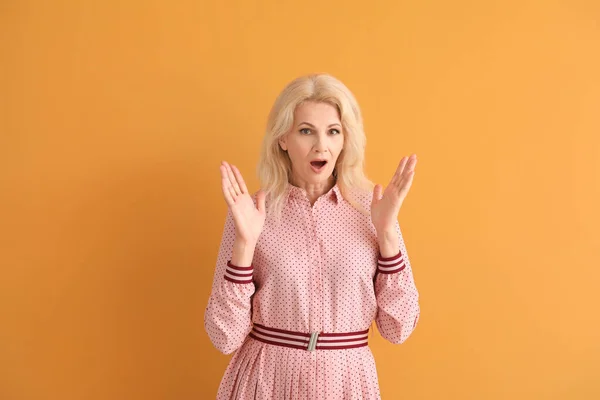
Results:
x,y
312,343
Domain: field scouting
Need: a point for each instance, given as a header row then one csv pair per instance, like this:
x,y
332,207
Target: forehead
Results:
x,y
311,111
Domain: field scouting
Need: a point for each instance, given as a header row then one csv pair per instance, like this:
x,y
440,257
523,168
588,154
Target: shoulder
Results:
x,y
360,198
364,197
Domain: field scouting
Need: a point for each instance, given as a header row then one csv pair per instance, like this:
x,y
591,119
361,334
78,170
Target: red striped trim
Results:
x,y
275,330
366,331
300,340
392,258
293,346
391,265
236,274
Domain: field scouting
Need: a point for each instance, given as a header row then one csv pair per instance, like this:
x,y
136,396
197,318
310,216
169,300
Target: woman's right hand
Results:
x,y
248,218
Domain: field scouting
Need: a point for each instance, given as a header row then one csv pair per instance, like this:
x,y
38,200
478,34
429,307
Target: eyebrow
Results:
x,y
312,126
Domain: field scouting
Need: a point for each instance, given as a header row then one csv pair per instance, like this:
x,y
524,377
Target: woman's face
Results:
x,y
314,142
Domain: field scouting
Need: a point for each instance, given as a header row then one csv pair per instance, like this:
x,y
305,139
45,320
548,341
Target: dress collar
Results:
x,y
295,192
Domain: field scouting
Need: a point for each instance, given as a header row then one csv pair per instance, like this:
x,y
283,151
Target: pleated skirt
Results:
x,y
264,371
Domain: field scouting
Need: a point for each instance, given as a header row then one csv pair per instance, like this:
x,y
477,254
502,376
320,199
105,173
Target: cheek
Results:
x,y
300,148
296,153
340,145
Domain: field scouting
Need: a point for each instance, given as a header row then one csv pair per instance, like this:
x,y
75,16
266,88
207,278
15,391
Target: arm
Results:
x,y
228,315
227,318
397,296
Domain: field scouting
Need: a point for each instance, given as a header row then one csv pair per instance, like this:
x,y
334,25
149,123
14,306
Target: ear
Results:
x,y
282,143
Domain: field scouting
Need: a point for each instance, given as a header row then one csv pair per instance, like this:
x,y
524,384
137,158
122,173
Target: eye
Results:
x,y
305,131
334,131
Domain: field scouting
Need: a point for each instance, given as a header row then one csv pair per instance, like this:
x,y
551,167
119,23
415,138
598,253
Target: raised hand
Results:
x,y
385,206
249,219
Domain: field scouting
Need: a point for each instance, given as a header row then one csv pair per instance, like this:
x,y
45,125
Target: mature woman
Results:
x,y
312,259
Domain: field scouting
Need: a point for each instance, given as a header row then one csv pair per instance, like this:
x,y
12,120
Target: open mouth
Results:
x,y
318,166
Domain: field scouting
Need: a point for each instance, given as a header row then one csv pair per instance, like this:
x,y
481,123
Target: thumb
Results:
x,y
377,193
260,201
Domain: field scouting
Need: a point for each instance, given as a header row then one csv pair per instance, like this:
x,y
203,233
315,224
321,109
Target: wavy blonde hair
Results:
x,y
274,166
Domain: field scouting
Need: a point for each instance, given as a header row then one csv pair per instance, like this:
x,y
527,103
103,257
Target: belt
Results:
x,y
309,341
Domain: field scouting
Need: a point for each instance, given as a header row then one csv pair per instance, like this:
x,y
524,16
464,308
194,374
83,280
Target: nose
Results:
x,y
321,145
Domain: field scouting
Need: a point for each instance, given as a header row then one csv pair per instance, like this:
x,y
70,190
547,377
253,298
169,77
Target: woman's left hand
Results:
x,y
385,206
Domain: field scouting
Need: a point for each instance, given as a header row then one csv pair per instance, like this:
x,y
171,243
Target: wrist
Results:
x,y
387,235
243,243
388,243
243,253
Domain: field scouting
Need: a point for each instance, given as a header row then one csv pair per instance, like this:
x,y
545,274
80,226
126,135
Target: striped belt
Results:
x,y
310,341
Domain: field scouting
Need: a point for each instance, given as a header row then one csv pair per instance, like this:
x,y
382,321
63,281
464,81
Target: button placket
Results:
x,y
317,267
315,288
315,237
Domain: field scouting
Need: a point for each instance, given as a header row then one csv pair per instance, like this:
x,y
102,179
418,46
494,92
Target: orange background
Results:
x,y
114,117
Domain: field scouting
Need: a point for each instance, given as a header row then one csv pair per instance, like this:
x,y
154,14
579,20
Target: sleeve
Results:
x,y
397,296
227,318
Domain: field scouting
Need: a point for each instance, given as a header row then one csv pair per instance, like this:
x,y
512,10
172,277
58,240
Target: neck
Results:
x,y
314,190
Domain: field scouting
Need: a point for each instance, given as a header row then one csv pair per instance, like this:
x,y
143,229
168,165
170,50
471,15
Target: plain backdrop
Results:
x,y
115,116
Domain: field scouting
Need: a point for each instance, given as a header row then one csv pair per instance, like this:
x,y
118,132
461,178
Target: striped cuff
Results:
x,y
238,274
391,265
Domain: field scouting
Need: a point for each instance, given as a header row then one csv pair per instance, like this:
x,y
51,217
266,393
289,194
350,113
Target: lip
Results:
x,y
318,169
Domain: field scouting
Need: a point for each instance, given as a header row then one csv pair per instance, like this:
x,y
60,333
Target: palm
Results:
x,y
385,206
249,218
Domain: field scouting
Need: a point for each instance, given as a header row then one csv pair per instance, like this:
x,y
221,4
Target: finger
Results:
x,y
233,193
408,168
234,182
412,162
377,193
240,179
397,176
407,174
226,185
405,187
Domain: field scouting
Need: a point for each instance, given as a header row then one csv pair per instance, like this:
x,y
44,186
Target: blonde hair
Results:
x,y
274,166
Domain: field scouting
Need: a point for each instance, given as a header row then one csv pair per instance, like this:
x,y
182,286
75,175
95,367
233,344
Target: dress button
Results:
x,y
315,262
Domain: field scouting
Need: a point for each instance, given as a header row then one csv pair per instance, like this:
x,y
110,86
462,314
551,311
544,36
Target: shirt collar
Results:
x,y
295,192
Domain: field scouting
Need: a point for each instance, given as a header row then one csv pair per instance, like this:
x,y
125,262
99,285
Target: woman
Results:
x,y
312,259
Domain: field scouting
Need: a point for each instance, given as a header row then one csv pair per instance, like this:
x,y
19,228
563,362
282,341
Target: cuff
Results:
x,y
237,274
391,265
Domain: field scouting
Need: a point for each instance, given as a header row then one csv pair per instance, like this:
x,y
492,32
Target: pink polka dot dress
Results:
x,y
298,318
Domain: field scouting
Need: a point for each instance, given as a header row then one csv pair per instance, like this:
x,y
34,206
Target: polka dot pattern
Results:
x,y
319,270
